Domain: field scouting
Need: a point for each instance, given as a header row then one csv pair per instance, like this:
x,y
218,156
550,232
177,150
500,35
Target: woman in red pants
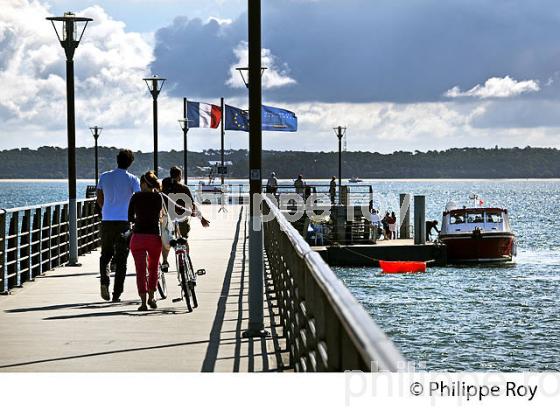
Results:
x,y
144,211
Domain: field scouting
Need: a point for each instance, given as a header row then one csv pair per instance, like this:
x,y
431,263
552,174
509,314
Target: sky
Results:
x,y
399,74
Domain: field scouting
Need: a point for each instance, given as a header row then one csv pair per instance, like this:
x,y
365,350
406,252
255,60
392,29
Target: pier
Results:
x,y
53,319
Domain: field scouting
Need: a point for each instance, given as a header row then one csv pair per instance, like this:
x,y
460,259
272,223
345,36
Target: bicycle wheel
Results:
x,y
185,284
162,285
192,281
193,293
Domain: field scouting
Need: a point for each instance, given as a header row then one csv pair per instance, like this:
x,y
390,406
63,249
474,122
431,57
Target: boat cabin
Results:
x,y
468,219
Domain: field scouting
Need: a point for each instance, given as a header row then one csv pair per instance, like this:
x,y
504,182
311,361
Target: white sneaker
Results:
x,y
105,292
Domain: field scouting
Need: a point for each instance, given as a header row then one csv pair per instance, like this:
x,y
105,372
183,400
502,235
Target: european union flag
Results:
x,y
273,119
236,119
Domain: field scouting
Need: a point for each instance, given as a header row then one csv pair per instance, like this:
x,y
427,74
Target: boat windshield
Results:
x,y
457,218
494,217
466,220
475,217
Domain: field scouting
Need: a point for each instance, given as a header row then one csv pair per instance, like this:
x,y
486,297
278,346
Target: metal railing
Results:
x,y
352,194
34,239
325,327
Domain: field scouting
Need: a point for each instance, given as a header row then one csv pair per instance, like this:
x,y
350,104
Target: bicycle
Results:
x,y
186,276
162,284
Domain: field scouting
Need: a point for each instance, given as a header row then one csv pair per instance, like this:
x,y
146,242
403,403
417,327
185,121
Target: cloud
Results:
x,y
380,71
109,65
220,21
276,76
496,87
363,51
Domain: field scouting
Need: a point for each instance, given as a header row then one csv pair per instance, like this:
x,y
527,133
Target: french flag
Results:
x,y
202,115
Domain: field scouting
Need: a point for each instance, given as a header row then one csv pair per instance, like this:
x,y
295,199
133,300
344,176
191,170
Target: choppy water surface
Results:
x,y
503,318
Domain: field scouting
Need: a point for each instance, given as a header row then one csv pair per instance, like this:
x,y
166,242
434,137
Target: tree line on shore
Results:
x,y
528,162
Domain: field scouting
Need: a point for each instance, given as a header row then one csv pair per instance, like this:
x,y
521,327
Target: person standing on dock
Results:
x,y
299,185
332,190
429,226
114,190
272,184
385,223
375,223
393,226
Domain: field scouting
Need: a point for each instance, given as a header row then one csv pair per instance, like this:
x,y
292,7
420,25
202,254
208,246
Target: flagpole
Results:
x,y
223,134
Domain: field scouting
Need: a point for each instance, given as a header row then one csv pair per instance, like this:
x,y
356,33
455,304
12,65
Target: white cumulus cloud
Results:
x,y
109,66
275,76
496,87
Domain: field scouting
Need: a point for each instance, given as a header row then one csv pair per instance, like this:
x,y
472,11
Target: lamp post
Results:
x,y
96,132
184,123
340,131
69,42
244,73
256,264
155,84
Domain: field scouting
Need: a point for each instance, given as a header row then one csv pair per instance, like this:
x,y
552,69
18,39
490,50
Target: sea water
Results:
x,y
476,318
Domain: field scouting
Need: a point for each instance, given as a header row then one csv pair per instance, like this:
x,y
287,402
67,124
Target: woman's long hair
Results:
x,y
150,179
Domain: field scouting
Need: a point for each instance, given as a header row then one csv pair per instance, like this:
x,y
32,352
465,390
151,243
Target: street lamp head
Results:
x,y
69,25
155,84
339,131
184,123
244,72
95,131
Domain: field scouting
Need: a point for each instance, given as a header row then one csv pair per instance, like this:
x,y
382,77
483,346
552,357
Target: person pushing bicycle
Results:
x,y
180,200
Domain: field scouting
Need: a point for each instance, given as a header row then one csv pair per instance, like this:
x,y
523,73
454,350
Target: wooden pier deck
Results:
x,y
59,322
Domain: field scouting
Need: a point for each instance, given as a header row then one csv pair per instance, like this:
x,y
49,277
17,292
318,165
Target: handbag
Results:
x,y
166,227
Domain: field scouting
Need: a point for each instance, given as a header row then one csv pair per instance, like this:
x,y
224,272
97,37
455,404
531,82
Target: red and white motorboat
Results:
x,y
477,233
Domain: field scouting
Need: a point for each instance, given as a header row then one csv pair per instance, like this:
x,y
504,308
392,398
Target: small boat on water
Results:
x,y
355,180
477,233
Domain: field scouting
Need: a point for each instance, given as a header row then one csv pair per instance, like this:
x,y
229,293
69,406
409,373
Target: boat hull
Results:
x,y
482,248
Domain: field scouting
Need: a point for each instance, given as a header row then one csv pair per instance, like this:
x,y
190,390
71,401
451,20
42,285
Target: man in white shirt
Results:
x,y
114,190
375,223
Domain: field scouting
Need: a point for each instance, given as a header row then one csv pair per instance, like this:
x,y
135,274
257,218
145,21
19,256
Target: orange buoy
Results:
x,y
402,266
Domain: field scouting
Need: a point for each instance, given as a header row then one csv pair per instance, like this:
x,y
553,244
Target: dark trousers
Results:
x,y
113,244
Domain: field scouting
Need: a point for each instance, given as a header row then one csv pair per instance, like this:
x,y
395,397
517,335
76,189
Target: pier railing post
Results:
x,y
13,245
404,201
36,260
25,245
419,219
4,259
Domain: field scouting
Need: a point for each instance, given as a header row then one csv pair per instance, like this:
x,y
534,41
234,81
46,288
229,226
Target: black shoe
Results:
x,y
115,299
143,308
105,292
152,303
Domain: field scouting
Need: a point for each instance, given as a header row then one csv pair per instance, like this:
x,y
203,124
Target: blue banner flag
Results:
x,y
273,119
